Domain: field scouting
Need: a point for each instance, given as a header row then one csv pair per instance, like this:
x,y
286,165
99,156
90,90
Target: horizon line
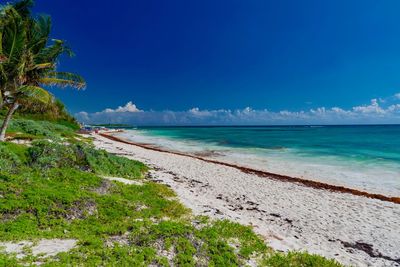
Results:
x,y
244,125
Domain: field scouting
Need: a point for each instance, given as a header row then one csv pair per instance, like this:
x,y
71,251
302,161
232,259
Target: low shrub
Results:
x,y
46,154
39,128
50,190
12,157
104,163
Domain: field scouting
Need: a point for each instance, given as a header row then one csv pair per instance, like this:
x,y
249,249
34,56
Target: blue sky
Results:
x,y
229,55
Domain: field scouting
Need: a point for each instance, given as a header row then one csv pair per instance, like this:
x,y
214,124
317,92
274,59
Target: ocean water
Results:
x,y
362,157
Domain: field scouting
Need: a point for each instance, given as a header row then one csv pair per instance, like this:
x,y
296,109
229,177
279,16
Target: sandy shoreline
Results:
x,y
260,173
348,226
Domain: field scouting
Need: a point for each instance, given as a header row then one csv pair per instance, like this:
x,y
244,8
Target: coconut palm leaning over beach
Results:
x,y
28,59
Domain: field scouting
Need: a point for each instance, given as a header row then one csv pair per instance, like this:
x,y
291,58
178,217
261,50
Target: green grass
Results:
x,y
67,203
12,157
44,155
54,112
54,189
47,205
32,129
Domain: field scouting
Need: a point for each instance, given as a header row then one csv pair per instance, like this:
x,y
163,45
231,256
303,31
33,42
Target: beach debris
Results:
x,y
368,248
275,215
275,208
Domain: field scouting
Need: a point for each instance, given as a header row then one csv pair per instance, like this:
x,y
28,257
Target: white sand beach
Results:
x,y
355,230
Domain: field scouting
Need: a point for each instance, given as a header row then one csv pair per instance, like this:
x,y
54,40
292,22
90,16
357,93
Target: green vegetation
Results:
x,y
30,129
54,111
54,184
28,59
52,188
49,154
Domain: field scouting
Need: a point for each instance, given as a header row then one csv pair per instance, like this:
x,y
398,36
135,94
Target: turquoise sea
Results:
x,y
363,157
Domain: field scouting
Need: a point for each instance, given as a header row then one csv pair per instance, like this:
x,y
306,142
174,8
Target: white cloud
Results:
x,y
394,108
198,112
83,115
397,96
373,112
320,111
338,110
129,107
371,108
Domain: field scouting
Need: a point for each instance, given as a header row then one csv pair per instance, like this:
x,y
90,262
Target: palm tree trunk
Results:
x,y
2,98
6,121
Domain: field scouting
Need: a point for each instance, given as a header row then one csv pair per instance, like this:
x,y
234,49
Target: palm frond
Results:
x,y
36,93
64,79
28,56
53,51
3,58
23,7
14,37
41,66
43,25
40,31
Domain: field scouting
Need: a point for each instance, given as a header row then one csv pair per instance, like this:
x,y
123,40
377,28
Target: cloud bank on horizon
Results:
x,y
378,111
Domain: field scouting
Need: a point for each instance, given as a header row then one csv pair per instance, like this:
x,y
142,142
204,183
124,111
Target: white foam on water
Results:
x,y
381,178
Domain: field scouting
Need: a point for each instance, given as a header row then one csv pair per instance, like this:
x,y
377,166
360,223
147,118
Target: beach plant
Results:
x,y
103,163
49,154
54,189
55,111
12,157
124,225
28,59
36,129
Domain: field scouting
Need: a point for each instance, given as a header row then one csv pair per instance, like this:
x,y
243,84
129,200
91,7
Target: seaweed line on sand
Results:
x,y
264,174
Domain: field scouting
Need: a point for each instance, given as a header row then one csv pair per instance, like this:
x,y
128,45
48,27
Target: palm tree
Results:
x,y
28,59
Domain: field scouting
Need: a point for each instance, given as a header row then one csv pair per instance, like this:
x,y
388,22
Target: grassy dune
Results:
x,y
53,188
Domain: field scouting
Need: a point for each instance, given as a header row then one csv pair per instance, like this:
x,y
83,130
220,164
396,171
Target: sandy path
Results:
x,y
352,229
